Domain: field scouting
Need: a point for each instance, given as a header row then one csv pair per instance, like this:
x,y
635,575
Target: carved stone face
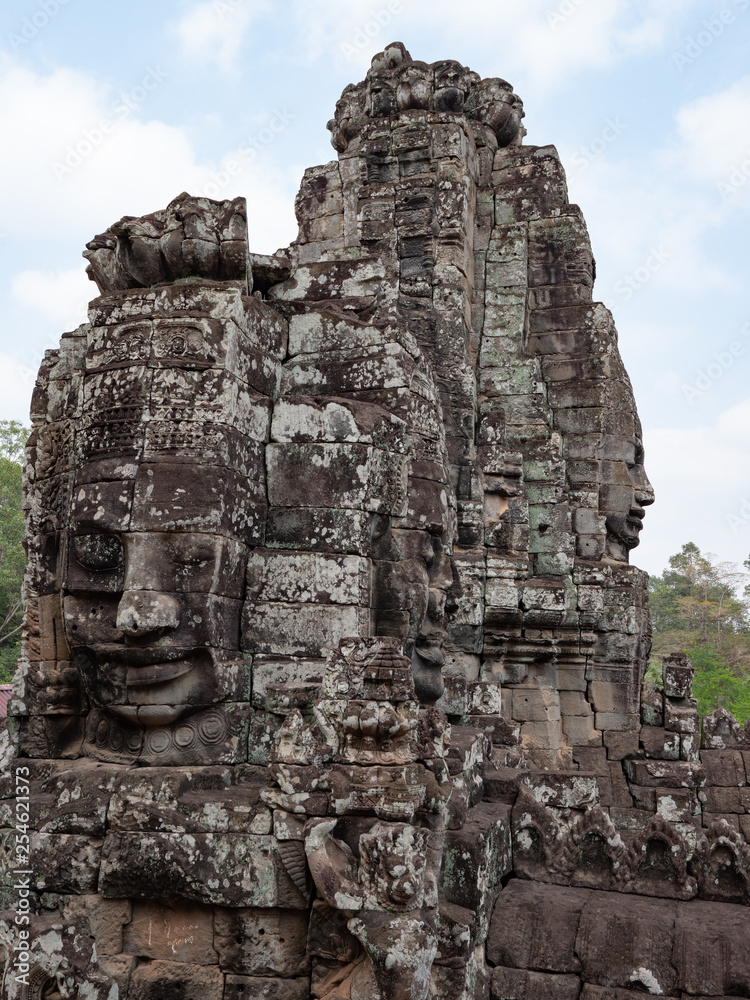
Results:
x,y
625,495
346,122
413,577
414,86
381,97
452,82
152,616
494,103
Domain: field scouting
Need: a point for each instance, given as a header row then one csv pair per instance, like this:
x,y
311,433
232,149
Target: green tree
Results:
x,y
12,557
695,606
695,602
13,438
715,686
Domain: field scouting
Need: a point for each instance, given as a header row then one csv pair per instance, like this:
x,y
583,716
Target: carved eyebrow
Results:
x,y
86,524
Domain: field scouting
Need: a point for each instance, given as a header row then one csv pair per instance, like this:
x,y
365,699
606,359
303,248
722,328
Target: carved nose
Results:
x,y
142,612
644,494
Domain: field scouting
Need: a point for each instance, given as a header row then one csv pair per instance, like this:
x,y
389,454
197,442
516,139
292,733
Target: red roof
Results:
x,y
5,693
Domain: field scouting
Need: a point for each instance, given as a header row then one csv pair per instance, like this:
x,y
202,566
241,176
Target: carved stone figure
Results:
x,y
333,656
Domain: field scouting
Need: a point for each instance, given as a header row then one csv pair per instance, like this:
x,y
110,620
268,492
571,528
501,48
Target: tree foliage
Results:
x,y
12,557
695,606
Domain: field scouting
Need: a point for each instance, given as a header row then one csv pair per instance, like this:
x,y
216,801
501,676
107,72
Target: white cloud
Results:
x,y
77,164
16,385
214,31
715,139
537,42
59,296
701,476
135,167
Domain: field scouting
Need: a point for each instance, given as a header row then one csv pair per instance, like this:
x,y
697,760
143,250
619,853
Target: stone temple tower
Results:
x,y
332,675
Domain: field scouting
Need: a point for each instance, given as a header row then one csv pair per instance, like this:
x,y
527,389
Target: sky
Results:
x,y
112,109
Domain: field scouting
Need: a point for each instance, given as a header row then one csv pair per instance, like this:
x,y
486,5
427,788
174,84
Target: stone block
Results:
x,y
535,926
257,988
563,789
689,747
608,696
592,759
660,744
518,984
228,869
643,797
580,731
456,931
652,705
324,529
667,773
609,993
724,767
262,942
710,952
627,942
65,863
575,703
535,705
720,731
619,722
618,792
475,859
571,678
269,670
106,919
307,577
501,784
175,981
677,674
621,745
676,805
627,818
680,717
718,799
300,629
176,933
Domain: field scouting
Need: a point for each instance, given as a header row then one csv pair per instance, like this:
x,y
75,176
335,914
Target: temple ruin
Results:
x,y
333,667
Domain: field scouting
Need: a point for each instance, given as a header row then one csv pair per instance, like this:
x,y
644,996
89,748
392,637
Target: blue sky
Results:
x,y
111,109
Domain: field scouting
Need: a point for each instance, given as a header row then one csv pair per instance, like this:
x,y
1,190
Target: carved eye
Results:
x,y
193,555
98,553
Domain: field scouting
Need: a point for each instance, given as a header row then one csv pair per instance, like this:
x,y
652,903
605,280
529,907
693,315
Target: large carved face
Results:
x,y
165,503
152,616
494,103
625,494
452,83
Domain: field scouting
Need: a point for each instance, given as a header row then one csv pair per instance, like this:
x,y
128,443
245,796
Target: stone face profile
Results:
x,y
333,661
